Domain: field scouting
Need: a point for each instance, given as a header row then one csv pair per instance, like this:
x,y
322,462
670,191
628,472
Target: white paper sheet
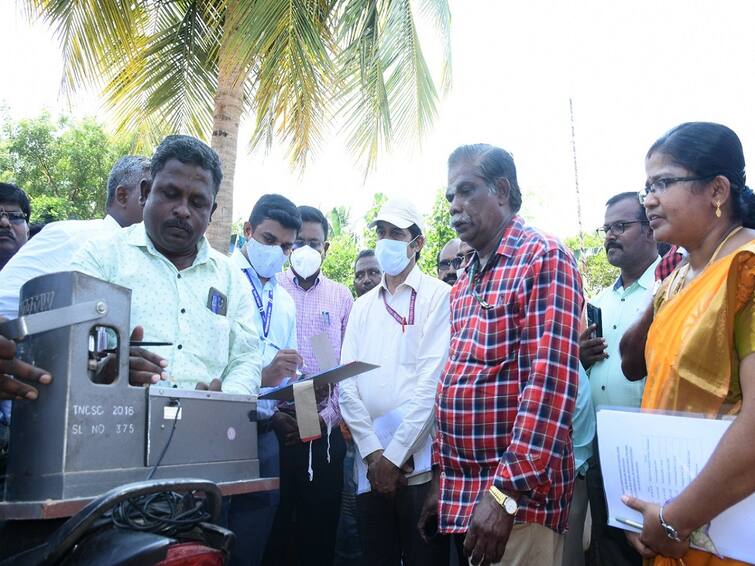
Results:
x,y
385,427
654,456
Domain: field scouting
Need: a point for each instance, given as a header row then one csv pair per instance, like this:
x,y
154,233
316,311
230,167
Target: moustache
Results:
x,y
460,219
614,245
7,234
175,223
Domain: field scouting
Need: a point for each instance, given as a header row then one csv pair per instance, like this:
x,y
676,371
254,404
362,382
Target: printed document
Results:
x,y
654,456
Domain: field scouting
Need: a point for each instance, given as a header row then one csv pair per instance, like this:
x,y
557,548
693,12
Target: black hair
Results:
x,y
189,150
312,214
629,195
278,208
494,163
363,253
415,231
12,194
127,172
710,149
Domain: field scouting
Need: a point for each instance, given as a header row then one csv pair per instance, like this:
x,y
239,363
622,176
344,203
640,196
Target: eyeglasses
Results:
x,y
13,216
658,186
445,264
617,228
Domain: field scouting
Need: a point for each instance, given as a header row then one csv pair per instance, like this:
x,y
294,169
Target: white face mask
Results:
x,y
306,261
266,260
459,273
392,256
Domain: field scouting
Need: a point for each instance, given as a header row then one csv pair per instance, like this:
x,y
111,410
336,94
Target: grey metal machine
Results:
x,y
83,437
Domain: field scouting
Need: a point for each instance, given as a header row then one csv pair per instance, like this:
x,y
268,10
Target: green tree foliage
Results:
x,y
593,264
62,165
368,235
438,232
339,263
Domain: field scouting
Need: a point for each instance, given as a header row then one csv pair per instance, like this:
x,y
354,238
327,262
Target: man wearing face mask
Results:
x,y
308,511
403,326
270,234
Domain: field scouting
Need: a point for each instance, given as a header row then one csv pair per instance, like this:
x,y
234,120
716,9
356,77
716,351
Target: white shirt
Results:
x,y
620,308
411,361
282,330
49,251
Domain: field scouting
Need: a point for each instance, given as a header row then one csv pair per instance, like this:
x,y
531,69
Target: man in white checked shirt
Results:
x,y
403,326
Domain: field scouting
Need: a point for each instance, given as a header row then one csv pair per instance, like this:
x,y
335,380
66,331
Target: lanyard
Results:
x,y
396,316
265,313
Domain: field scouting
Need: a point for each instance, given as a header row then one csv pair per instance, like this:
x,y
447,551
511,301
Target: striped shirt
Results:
x,y
508,390
323,308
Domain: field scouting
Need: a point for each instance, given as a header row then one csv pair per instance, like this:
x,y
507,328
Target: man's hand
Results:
x,y
428,517
488,532
286,428
385,477
591,349
653,539
214,385
12,370
284,364
144,367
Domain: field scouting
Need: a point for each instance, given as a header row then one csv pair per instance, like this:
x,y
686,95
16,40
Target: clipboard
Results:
x,y
339,373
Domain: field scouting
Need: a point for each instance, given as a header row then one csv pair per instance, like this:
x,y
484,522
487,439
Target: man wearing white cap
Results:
x,y
403,326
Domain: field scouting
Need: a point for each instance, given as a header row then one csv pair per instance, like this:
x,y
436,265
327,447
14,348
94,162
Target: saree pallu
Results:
x,y
691,356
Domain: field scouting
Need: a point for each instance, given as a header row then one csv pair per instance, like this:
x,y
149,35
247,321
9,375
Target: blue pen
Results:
x,y
326,317
278,348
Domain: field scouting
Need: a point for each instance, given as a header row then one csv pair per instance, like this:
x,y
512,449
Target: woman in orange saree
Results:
x,y
700,350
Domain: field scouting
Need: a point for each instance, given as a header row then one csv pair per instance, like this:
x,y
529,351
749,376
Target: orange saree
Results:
x,y
691,356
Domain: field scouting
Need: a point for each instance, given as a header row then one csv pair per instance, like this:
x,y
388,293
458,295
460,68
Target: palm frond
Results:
x,y
389,91
173,80
289,47
364,97
439,14
93,33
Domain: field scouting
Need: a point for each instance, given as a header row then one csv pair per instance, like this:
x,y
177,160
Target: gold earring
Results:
x,y
718,209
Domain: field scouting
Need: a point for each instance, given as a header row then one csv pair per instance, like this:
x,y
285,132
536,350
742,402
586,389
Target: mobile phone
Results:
x,y
594,316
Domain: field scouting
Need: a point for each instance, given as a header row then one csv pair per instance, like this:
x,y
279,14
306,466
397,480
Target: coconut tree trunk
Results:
x,y
225,132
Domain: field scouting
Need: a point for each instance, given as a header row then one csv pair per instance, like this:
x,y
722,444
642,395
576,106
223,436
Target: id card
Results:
x,y
217,302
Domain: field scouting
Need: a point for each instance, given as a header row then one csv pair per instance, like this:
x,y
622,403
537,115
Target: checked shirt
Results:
x,y
508,390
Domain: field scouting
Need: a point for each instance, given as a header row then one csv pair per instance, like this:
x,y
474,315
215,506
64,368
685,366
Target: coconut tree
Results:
x,y
297,66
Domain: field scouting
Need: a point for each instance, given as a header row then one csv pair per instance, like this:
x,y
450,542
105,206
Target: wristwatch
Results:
x,y
670,531
508,503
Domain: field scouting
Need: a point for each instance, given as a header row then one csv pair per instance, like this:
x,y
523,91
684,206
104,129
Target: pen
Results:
x,y
137,343
278,348
629,523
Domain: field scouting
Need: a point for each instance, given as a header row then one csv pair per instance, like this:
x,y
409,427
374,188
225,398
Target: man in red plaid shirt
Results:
x,y
504,466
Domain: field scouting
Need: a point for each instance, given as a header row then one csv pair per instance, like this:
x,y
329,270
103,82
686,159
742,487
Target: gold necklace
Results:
x,y
680,276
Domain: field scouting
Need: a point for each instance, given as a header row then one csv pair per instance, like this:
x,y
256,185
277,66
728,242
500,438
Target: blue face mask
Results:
x,y
392,256
266,260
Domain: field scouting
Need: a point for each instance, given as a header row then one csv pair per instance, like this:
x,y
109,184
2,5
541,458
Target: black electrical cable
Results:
x,y
177,404
166,513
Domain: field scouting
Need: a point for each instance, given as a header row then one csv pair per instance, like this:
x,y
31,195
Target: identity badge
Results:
x,y
217,302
